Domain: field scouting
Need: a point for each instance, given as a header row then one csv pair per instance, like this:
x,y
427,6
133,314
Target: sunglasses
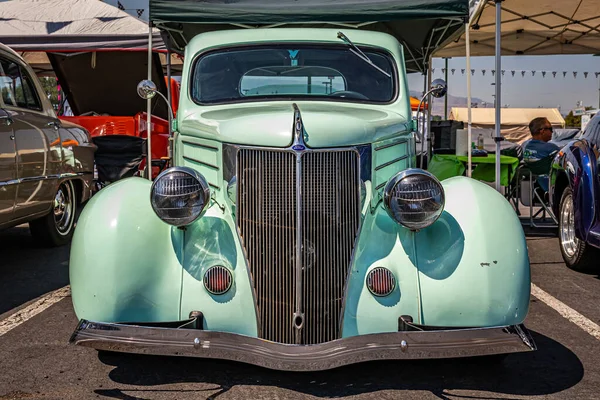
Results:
x,y
547,129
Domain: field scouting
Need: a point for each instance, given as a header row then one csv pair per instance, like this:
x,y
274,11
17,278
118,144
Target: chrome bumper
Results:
x,y
251,350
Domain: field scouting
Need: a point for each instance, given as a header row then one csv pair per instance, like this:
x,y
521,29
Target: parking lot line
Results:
x,y
25,314
567,312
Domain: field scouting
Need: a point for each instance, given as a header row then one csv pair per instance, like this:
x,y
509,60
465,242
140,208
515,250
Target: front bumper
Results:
x,y
251,350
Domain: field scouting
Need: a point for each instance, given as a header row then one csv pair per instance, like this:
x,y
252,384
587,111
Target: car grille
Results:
x,y
268,218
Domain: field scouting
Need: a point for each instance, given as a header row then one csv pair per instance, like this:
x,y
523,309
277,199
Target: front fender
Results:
x,y
469,269
578,161
124,264
473,263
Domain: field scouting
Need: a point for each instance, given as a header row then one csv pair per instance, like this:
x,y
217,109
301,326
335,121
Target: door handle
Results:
x,y
6,119
12,137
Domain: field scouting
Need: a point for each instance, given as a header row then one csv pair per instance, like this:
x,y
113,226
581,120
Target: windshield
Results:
x,y
292,72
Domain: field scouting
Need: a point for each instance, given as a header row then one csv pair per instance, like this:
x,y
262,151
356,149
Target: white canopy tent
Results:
x,y
535,27
518,27
71,25
514,125
34,27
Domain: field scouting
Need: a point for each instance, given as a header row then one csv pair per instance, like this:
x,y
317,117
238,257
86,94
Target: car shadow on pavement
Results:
x,y
550,369
29,270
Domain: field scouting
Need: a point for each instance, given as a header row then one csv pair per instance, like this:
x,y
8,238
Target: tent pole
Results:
x,y
429,79
446,97
421,118
149,109
170,145
498,88
469,136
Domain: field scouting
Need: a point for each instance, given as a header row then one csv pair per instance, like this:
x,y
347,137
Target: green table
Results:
x,y
444,166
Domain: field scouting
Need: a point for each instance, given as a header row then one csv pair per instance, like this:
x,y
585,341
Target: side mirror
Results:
x,y
438,88
146,89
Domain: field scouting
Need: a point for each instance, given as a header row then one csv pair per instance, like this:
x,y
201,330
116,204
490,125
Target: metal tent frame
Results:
x,y
517,27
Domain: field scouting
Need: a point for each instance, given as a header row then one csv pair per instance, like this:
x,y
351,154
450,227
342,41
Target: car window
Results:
x,y
592,130
291,80
17,86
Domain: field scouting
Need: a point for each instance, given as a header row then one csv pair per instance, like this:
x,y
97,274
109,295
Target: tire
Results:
x,y
56,228
577,254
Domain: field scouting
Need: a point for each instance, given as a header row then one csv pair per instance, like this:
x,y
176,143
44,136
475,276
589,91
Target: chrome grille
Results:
x,y
329,217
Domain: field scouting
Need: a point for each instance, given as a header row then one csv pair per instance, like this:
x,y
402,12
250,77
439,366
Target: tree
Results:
x,y
574,121
51,90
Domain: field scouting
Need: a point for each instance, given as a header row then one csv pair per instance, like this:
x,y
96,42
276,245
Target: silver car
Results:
x,y
46,165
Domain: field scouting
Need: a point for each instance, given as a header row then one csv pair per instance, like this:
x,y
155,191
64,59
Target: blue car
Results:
x,y
575,198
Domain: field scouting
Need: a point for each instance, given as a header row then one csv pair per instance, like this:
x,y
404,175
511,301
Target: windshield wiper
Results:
x,y
354,49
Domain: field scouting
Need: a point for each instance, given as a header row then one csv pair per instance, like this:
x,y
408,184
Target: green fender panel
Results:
x,y
473,262
123,266
129,266
212,240
469,269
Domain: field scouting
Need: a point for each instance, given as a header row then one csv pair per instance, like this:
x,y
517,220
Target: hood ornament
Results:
x,y
298,128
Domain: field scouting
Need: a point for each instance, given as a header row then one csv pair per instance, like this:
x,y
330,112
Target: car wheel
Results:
x,y
56,228
576,253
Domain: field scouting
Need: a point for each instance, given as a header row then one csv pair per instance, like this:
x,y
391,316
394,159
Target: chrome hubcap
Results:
x,y
568,241
63,208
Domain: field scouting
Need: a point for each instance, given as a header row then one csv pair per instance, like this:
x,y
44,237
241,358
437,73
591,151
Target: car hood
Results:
x,y
326,124
105,82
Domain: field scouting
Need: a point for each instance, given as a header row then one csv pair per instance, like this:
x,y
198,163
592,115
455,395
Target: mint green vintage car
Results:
x,y
293,230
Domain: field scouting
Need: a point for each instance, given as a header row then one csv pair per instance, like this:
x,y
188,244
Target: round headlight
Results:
x,y
179,195
414,198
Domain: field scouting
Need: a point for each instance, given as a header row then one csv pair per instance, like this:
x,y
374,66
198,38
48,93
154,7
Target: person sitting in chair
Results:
x,y
538,152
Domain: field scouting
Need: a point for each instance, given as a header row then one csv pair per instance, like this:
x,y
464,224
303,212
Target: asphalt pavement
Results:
x,y
36,361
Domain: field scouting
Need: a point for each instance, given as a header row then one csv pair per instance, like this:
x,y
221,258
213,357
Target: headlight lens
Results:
x,y
414,198
179,195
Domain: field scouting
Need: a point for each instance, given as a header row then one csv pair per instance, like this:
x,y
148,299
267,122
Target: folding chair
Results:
x,y
120,156
532,194
511,191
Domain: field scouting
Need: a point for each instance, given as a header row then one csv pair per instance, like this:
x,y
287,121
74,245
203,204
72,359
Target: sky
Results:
x,y
528,91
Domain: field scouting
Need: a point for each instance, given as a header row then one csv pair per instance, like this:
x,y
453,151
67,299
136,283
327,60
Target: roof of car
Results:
x,y
289,35
7,49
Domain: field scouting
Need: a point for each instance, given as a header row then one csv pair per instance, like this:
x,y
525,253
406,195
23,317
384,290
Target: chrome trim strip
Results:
x,y
39,178
387,164
11,182
43,178
385,146
205,146
381,185
209,165
298,143
450,343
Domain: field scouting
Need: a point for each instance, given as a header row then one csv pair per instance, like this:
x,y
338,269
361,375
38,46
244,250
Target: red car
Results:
x,y
100,88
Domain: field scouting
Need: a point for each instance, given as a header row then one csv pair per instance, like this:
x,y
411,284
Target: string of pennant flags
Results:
x,y
139,11
522,73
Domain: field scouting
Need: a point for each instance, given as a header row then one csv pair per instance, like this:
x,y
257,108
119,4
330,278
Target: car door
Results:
x,y
8,169
37,139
